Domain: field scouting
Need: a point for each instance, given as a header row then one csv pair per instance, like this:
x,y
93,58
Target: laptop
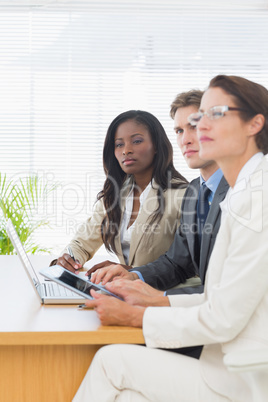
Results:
x,y
47,292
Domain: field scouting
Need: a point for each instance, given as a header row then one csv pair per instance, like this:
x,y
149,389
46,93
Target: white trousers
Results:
x,y
131,373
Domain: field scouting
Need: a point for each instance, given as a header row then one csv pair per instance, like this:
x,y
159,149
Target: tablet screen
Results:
x,y
65,277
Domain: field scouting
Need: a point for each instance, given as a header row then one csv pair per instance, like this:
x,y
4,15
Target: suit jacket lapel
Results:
x,y
212,217
189,217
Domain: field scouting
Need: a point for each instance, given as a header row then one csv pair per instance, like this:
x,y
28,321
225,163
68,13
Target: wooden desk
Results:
x,y
45,351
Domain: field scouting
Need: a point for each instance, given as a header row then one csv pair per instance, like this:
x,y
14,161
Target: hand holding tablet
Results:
x,y
74,282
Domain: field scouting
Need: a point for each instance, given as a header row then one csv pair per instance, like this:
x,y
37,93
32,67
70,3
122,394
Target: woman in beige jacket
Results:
x,y
138,210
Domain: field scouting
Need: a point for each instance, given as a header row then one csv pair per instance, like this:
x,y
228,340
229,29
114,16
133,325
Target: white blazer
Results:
x,y
232,313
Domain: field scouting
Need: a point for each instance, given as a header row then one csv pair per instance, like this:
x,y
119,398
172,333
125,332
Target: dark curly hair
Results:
x,y
163,172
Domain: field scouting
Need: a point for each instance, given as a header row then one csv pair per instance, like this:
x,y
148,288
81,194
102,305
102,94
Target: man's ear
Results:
x,y
256,124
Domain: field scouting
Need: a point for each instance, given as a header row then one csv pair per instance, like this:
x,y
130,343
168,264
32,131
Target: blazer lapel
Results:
x,y
149,206
211,221
124,193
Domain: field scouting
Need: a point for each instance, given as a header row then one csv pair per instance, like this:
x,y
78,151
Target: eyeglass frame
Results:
x,y
199,114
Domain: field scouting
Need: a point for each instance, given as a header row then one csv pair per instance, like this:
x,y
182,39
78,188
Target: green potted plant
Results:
x,y
20,200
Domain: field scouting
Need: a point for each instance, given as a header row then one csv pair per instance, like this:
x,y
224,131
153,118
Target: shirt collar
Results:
x,y
249,168
213,182
129,198
241,182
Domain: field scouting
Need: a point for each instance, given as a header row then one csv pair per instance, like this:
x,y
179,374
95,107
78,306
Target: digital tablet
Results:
x,y
74,282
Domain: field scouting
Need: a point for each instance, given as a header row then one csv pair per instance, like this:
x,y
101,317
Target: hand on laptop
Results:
x,y
67,262
107,271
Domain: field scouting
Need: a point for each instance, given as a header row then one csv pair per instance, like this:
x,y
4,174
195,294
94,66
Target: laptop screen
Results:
x,y
21,252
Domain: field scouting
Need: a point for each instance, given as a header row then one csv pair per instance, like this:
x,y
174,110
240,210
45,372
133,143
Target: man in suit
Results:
x,y
185,258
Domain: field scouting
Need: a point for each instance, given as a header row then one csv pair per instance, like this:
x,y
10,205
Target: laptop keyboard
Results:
x,y
55,290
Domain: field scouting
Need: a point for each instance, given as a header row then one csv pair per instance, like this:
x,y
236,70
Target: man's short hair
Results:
x,y
184,99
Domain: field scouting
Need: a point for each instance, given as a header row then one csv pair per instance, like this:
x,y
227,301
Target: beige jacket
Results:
x,y
147,242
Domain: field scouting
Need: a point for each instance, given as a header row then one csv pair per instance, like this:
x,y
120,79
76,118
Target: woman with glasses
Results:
x,y
232,314
138,209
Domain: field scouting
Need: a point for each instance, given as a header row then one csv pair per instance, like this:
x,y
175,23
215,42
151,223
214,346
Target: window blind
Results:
x,y
67,68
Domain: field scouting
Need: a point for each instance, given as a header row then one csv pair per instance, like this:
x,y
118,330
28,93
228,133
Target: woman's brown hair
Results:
x,y
249,96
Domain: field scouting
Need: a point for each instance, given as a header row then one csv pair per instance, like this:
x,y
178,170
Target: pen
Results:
x,y
83,306
70,253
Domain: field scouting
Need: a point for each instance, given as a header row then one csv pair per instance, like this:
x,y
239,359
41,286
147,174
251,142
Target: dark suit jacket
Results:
x,y
181,260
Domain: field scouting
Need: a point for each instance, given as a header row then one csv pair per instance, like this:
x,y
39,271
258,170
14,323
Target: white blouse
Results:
x,y
126,231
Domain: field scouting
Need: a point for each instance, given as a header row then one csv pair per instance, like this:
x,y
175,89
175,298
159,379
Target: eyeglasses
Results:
x,y
213,113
